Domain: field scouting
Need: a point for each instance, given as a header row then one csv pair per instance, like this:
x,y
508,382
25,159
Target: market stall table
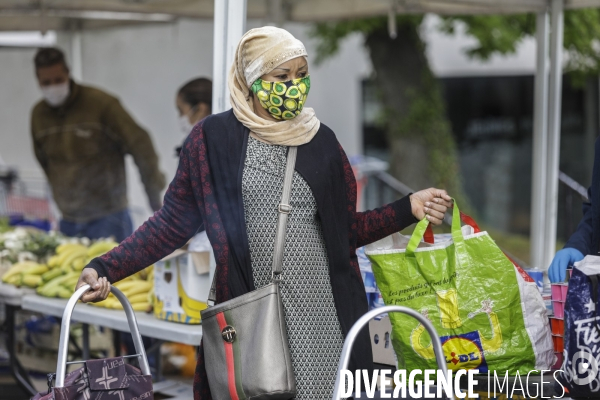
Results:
x,y
11,295
115,319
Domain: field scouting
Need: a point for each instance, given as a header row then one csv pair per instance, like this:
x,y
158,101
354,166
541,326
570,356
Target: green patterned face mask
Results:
x,y
283,100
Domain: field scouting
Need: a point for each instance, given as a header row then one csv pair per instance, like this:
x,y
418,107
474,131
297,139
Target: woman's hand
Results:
x,y
430,203
100,287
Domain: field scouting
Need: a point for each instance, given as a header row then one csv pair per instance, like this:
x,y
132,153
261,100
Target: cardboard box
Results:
x,y
381,342
182,282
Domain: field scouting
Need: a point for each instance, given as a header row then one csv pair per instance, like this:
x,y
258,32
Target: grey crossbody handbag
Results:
x,y
246,348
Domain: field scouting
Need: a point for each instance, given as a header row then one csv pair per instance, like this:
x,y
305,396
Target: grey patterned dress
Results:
x,y
314,332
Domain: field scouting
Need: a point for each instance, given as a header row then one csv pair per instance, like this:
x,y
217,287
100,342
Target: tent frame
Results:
x,y
546,140
229,26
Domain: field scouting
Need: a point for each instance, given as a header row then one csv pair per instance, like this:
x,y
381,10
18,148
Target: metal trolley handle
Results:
x,y
364,320
63,347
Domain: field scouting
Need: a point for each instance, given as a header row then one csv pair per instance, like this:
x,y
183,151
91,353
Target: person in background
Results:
x,y
194,103
80,137
586,239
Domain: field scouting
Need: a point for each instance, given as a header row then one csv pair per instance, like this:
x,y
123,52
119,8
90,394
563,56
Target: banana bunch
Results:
x,y
138,288
75,256
61,286
26,273
66,266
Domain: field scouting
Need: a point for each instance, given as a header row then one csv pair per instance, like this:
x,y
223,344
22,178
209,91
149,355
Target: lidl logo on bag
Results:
x,y
464,351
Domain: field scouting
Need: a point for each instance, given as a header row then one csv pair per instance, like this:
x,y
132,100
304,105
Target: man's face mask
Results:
x,y
283,100
56,95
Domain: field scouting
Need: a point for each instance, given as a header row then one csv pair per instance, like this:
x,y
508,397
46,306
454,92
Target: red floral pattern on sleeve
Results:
x,y
188,202
167,230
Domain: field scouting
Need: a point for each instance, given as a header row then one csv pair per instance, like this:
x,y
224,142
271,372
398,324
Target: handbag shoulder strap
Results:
x,y
284,208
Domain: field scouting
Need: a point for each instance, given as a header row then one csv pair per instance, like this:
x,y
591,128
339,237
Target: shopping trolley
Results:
x,y
117,378
364,320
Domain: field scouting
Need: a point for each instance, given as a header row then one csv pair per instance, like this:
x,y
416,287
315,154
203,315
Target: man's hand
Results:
x,y
563,258
430,203
99,287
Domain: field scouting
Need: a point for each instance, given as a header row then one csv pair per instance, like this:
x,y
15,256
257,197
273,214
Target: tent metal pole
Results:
x,y
76,53
540,136
554,118
219,60
229,26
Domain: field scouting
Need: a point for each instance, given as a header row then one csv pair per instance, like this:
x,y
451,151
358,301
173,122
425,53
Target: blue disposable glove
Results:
x,y
562,260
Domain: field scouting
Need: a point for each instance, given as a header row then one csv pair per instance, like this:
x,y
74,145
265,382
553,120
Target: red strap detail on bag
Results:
x,y
229,360
429,238
470,221
520,270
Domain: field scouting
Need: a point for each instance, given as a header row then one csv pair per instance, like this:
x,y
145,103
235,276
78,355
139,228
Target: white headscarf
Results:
x,y
259,52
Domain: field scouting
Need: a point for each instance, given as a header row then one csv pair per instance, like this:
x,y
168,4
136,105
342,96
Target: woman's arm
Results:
x,y
167,230
578,245
370,226
582,238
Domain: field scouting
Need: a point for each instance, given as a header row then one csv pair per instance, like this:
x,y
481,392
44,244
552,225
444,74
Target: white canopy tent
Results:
x,y
229,25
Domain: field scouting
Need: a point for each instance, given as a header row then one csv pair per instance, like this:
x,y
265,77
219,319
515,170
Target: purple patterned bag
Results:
x,y
106,379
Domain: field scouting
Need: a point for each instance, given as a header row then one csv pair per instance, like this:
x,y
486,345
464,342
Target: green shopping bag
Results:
x,y
488,313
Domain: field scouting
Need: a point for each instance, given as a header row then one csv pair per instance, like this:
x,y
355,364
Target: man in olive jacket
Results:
x,y
80,137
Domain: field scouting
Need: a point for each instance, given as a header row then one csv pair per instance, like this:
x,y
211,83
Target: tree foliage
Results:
x,y
414,113
494,34
330,34
422,149
501,34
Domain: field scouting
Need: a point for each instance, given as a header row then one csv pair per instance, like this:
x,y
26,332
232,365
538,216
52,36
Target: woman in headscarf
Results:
x,y
230,178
